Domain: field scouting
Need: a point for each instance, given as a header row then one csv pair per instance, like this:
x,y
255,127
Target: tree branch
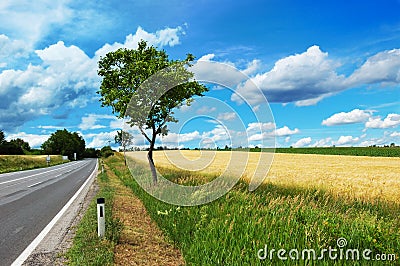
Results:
x,y
144,134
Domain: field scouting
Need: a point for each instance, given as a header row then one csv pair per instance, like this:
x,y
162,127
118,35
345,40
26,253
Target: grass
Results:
x,y
12,163
87,247
359,177
232,229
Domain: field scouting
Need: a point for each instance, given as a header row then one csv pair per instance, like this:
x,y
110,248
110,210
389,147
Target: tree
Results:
x,y
10,149
124,139
15,146
127,80
21,144
106,152
65,143
2,137
91,153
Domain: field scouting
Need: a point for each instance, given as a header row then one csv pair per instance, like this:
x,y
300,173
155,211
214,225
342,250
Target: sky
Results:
x,y
318,73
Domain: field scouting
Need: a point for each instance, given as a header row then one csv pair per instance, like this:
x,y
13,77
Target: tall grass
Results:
x,y
87,247
11,163
232,229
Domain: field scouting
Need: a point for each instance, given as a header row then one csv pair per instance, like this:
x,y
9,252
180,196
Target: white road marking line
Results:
x,y
25,254
36,184
9,181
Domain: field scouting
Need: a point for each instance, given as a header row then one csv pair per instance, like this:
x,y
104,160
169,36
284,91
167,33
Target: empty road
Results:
x,y
30,199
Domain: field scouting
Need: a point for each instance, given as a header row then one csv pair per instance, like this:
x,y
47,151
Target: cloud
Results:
x,y
311,76
205,110
395,134
219,133
66,76
34,140
343,118
391,121
252,67
259,126
89,122
285,131
51,127
312,101
224,74
161,38
326,142
346,140
207,57
300,77
262,131
384,67
302,142
31,20
100,139
16,48
175,138
63,76
229,116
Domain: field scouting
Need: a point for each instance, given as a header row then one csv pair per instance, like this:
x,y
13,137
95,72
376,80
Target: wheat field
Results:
x,y
365,178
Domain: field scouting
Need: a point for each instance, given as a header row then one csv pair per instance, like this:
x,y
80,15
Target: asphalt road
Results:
x,y
30,199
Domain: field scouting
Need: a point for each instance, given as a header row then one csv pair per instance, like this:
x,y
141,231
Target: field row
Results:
x,y
364,178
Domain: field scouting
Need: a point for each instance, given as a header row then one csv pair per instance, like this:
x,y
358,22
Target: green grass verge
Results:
x,y
87,248
232,229
12,163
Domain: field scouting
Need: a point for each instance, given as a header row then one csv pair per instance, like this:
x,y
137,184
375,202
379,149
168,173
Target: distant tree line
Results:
x,y
61,142
14,146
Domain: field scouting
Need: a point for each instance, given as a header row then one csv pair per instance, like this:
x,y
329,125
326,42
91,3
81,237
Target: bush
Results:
x,y
106,152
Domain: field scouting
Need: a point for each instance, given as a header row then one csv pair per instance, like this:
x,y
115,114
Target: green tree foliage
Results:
x,y
65,143
21,143
124,72
14,147
92,153
2,137
124,139
106,151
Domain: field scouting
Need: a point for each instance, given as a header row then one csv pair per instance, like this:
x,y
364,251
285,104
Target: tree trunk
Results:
x,y
150,158
124,156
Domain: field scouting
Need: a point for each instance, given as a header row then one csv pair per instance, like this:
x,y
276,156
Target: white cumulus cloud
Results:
x,y
34,140
384,67
90,121
390,121
228,116
346,140
299,77
302,142
352,117
161,38
285,131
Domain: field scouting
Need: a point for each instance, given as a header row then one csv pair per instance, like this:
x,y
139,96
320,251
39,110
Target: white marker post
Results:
x,y
75,156
100,217
48,160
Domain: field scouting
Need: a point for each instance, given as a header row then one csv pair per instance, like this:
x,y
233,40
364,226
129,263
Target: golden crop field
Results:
x,y
366,178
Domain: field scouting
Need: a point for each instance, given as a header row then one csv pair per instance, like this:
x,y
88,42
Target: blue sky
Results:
x,y
330,70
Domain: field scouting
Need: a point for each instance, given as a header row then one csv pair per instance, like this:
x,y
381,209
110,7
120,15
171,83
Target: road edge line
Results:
x,y
32,246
